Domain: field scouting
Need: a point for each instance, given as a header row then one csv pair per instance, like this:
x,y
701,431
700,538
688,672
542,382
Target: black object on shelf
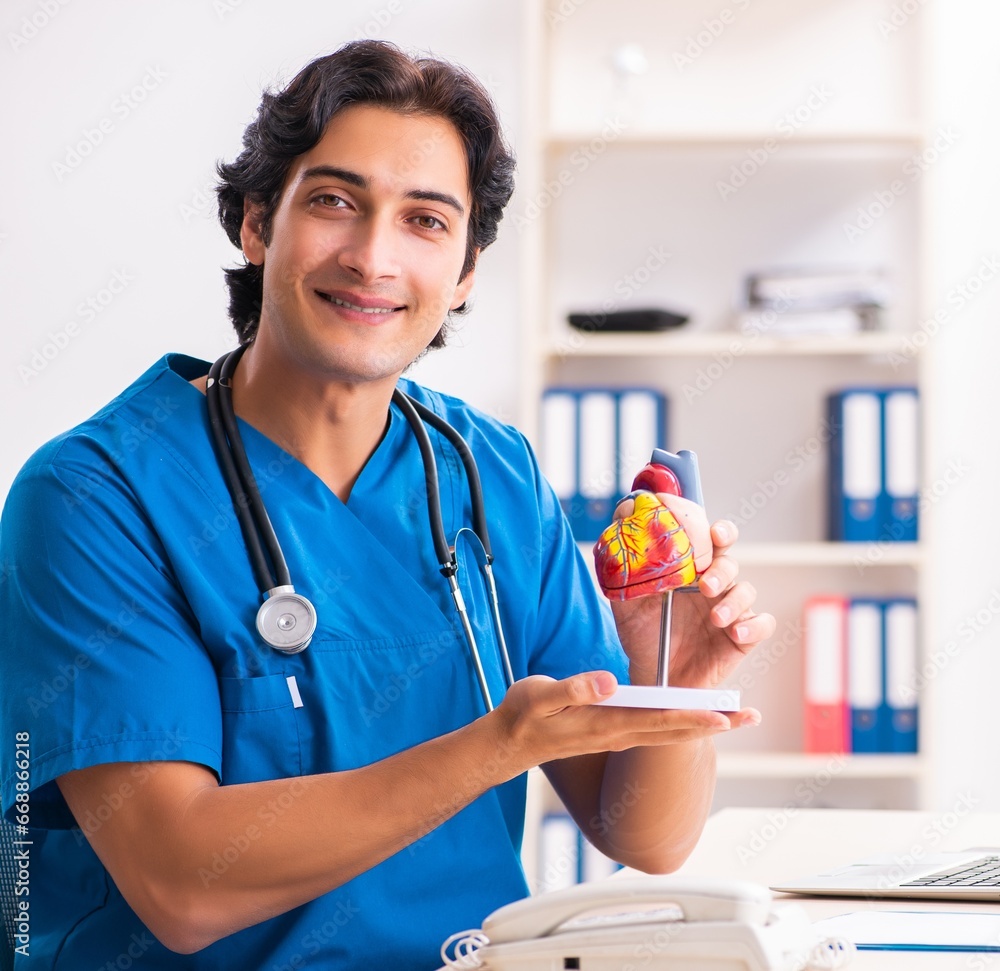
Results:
x,y
619,321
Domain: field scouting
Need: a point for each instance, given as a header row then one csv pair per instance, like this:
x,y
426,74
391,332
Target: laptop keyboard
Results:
x,y
984,872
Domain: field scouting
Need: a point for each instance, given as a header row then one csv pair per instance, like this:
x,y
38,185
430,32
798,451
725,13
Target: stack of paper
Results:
x,y
813,301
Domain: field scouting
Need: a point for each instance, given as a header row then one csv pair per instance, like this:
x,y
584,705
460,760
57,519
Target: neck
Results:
x,y
330,427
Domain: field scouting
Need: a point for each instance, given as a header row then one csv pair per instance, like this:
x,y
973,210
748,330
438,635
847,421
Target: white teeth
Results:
x,y
364,310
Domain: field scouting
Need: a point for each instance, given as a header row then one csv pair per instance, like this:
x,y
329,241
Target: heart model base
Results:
x,y
645,553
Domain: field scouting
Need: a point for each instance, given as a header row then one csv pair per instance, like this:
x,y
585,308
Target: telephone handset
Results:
x,y
657,922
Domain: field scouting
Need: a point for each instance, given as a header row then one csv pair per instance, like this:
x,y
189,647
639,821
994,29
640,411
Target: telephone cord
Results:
x,y
467,943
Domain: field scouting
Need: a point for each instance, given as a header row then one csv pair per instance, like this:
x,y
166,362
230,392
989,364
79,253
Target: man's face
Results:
x,y
367,244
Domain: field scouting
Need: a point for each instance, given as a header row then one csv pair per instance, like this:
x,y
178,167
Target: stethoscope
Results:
x,y
286,620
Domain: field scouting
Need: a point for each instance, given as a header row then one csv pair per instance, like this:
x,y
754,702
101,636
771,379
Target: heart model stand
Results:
x,y
649,553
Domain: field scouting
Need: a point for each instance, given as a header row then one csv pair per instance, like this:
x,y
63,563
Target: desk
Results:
x,y
770,845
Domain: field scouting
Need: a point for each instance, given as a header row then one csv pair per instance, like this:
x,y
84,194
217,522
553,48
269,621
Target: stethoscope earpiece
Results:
x,y
286,620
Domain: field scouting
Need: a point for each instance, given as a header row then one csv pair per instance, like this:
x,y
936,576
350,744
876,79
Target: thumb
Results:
x,y
585,689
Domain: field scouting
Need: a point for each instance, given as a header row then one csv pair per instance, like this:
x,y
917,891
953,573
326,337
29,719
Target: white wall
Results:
x,y
137,207
964,648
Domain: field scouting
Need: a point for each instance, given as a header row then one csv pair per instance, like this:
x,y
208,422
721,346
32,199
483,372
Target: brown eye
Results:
x,y
430,222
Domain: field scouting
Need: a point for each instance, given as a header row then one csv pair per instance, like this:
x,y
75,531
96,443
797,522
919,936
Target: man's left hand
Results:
x,y
714,627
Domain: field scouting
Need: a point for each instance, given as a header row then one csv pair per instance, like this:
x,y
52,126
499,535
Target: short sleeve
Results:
x,y
574,627
102,661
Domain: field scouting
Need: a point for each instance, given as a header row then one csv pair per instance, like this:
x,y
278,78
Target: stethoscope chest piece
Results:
x,y
286,620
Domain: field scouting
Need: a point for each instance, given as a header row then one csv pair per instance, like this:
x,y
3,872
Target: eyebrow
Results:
x,y
363,182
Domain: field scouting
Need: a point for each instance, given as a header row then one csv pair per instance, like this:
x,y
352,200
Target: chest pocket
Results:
x,y
260,732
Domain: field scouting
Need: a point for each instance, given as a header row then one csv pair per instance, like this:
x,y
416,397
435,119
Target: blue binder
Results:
x,y
855,473
882,674
874,469
900,424
866,674
594,440
901,651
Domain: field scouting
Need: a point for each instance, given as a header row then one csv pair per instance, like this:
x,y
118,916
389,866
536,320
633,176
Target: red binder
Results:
x,y
826,725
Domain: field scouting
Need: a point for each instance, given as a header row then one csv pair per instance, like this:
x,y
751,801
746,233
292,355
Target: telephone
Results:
x,y
650,922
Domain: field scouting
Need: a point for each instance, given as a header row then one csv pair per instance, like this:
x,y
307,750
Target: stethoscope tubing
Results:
x,y
267,560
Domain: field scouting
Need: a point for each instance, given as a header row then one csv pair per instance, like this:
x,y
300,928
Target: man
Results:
x,y
354,802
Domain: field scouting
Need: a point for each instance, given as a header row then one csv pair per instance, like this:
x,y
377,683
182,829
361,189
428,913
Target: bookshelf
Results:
x,y
623,203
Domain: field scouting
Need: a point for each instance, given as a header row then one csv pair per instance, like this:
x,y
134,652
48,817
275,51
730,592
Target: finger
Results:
x,y
624,508
744,718
724,534
719,577
750,631
736,602
643,727
580,689
692,519
684,726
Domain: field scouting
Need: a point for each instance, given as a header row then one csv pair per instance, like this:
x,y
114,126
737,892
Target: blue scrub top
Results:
x,y
129,606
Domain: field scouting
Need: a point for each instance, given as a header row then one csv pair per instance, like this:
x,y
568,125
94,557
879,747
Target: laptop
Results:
x,y
972,874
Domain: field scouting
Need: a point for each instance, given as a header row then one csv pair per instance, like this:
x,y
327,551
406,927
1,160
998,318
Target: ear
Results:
x,y
464,288
251,238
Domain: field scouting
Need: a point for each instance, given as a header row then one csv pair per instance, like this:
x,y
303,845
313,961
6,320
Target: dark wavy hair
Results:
x,y
292,121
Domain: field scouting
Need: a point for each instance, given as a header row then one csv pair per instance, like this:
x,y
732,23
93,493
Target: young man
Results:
x,y
238,806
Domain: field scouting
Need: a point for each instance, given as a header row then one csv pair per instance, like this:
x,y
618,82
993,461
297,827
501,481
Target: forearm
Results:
x,y
654,802
227,857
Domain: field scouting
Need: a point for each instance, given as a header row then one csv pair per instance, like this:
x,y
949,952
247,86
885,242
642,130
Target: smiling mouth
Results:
x,y
353,306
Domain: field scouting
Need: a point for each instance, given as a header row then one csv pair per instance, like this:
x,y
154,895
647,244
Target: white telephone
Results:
x,y
650,923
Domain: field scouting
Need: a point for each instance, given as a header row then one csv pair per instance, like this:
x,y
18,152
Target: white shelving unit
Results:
x,y
620,173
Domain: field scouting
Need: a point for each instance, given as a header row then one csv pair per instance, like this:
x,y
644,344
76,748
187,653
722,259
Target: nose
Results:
x,y
369,251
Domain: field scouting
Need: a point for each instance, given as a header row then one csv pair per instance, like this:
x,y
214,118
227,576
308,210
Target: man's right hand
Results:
x,y
542,720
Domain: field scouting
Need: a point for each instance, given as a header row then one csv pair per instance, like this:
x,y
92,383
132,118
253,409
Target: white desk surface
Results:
x,y
771,845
